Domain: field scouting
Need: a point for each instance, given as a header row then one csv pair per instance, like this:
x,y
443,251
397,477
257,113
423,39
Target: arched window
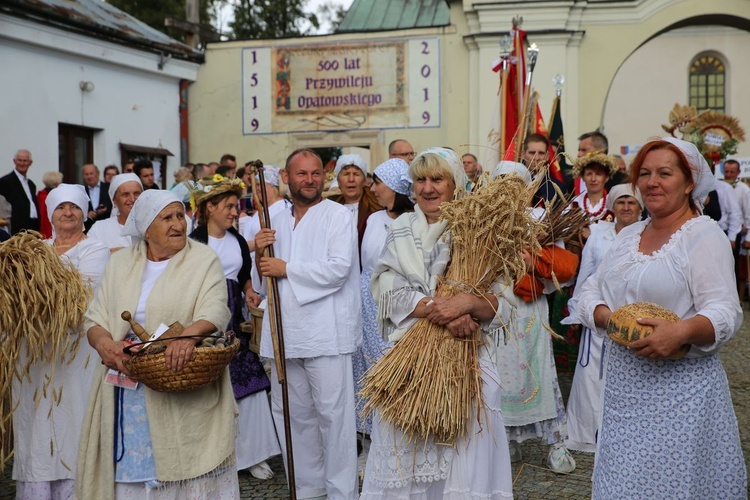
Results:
x,y
707,83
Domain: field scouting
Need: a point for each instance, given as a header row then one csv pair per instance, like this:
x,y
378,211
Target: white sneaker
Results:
x,y
261,471
560,460
516,455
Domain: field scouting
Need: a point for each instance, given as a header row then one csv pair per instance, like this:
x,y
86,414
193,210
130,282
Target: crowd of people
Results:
x,y
357,256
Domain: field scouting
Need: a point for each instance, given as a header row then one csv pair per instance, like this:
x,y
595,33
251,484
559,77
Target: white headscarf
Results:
x,y
512,167
145,209
117,181
350,160
460,179
703,178
72,193
620,190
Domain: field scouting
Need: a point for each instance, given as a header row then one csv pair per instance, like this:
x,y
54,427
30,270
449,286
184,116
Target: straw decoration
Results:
x,y
430,382
43,300
563,222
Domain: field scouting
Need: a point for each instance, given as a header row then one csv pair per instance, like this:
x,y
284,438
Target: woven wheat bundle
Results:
x,y
429,382
43,299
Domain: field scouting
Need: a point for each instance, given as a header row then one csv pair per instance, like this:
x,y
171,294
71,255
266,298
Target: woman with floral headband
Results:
x,y
594,169
217,206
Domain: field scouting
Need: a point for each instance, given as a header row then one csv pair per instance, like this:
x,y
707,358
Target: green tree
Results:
x,y
154,13
332,14
255,19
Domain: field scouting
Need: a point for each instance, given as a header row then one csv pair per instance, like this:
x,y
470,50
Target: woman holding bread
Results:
x,y
668,425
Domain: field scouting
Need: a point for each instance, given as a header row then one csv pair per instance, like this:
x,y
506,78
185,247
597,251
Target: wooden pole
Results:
x,y
274,308
503,106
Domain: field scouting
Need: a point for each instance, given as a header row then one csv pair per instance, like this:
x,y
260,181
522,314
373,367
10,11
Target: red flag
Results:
x,y
509,110
516,87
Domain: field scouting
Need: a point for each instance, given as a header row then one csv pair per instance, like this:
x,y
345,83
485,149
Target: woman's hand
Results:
x,y
252,298
263,239
178,353
666,340
462,327
112,354
110,351
443,310
601,315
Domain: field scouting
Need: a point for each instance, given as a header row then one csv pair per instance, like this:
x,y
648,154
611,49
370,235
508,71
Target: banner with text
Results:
x,y
386,84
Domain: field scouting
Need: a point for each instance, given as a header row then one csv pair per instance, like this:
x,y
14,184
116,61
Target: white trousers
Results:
x,y
256,440
324,436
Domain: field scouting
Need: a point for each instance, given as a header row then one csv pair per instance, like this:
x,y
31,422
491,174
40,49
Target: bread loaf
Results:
x,y
624,328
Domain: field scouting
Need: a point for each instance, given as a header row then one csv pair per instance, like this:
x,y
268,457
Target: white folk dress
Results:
x,y
478,466
373,345
46,438
668,426
109,232
584,402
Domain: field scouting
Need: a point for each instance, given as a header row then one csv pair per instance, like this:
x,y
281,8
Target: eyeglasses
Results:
x,y
410,154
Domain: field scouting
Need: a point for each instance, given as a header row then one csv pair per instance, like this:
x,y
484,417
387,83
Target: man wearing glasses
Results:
x,y
401,149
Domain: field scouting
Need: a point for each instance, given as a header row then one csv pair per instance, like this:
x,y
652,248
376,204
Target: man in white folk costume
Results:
x,y
317,267
123,190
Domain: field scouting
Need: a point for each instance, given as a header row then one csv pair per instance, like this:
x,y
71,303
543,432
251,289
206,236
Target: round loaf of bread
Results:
x,y
624,328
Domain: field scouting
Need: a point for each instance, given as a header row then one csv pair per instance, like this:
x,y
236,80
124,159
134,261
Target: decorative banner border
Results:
x,y
370,85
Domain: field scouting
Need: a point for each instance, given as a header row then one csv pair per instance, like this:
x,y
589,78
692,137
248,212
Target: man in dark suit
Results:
x,y
100,206
20,192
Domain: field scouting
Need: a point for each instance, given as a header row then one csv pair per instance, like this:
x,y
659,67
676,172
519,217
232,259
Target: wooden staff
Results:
x,y
277,331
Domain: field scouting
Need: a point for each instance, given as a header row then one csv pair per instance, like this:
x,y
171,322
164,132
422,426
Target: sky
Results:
x,y
312,6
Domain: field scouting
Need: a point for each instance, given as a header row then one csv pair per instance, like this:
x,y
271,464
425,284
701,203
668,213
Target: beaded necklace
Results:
x,y
598,212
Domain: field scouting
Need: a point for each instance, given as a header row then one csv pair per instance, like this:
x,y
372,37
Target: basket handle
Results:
x,y
127,350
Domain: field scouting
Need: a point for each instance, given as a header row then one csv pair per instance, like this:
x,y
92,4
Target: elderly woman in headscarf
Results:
x,y
533,406
351,174
404,283
584,403
392,188
672,418
142,443
123,191
41,472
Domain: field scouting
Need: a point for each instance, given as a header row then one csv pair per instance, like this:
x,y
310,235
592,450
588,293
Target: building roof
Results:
x,y
384,15
98,19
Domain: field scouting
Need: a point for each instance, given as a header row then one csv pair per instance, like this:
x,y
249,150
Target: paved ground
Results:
x,y
532,480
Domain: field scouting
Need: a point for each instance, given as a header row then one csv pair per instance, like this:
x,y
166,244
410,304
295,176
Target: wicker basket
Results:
x,y
205,366
624,328
254,326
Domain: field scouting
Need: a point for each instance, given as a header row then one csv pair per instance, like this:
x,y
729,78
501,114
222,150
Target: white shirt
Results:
x,y
95,194
250,226
373,240
693,273
230,254
109,232
354,209
320,299
731,218
25,183
742,193
596,247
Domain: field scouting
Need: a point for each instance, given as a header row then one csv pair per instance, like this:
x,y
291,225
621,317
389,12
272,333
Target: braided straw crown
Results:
x,y
212,187
624,328
602,159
